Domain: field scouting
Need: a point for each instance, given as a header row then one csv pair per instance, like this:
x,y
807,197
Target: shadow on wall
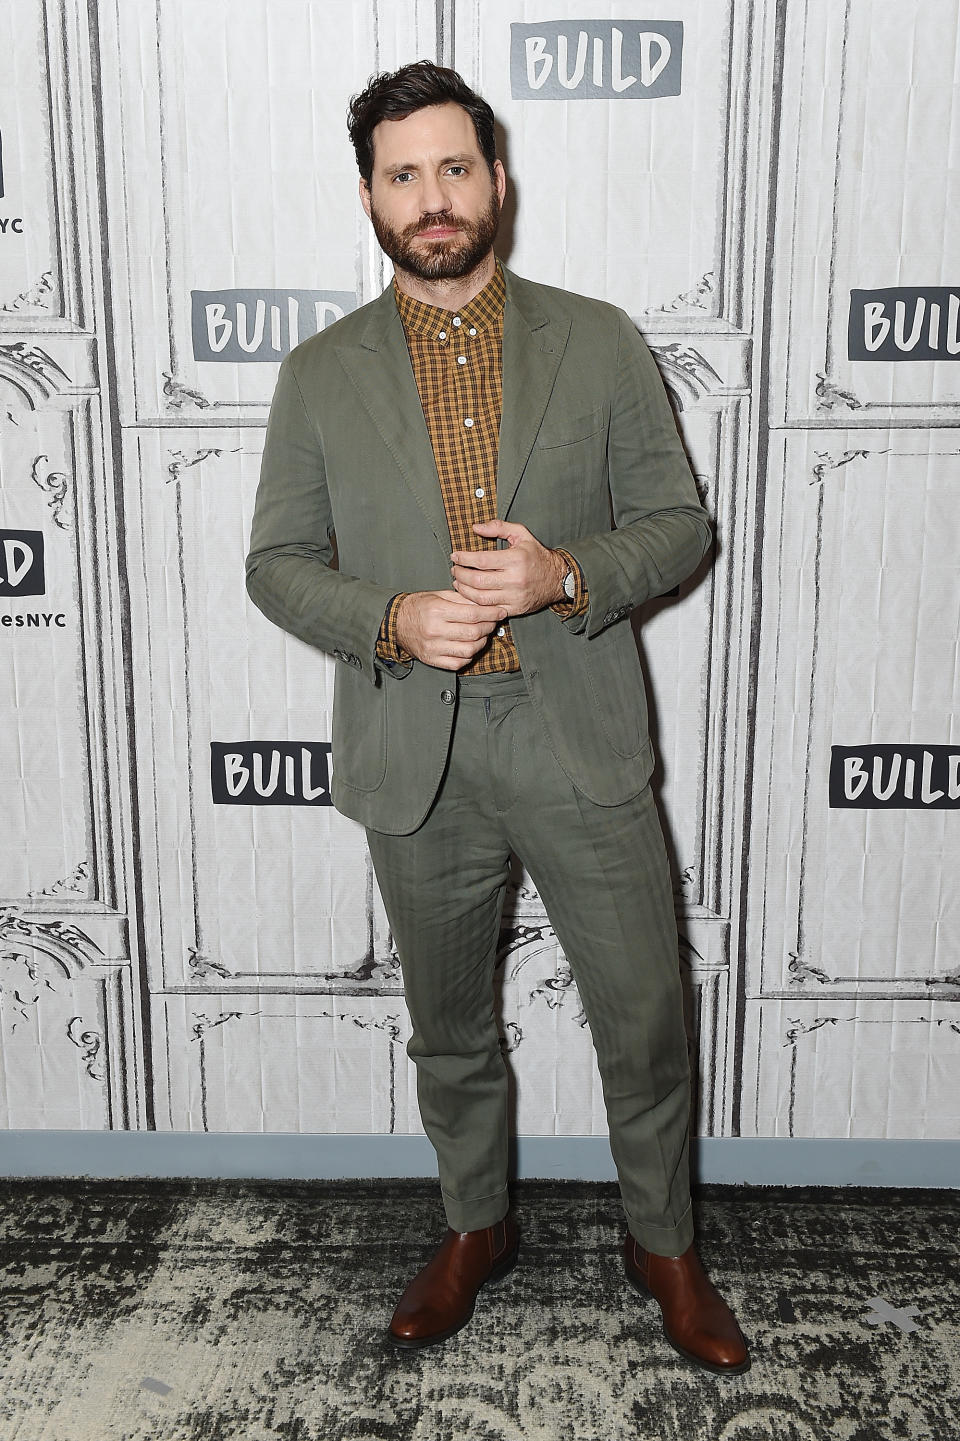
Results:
x,y
511,203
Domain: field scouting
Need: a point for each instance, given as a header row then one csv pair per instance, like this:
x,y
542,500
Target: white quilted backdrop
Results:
x,y
190,936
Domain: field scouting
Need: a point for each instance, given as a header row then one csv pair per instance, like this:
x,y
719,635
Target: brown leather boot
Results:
x,y
440,1299
696,1319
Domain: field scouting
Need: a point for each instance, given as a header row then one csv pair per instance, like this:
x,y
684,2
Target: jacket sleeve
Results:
x,y
662,531
288,567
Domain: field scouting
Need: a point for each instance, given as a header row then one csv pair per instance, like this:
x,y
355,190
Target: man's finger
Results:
x,y
480,559
483,610
490,599
453,634
454,597
479,579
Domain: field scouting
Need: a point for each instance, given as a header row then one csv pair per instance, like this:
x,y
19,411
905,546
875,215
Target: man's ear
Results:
x,y
365,196
499,179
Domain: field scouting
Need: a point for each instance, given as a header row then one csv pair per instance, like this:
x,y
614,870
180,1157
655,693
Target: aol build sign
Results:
x,y
239,325
596,59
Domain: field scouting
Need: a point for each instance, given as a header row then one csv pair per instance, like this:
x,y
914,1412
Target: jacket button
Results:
x,y
447,697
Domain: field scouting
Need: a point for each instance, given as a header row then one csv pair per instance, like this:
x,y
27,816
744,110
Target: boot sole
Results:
x,y
417,1343
737,1370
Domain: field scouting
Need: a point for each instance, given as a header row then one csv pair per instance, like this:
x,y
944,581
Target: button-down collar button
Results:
x,y
468,421
447,697
457,320
472,330
461,360
442,335
501,631
479,492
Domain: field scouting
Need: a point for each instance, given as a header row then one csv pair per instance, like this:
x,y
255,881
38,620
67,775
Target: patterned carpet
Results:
x,y
200,1311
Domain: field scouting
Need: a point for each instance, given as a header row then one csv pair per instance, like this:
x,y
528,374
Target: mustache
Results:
x,y
430,222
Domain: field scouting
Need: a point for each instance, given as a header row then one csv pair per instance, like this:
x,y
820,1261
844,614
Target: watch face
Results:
x,y
569,585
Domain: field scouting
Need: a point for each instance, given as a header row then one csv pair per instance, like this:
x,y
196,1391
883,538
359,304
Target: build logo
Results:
x,y
596,59
21,563
9,224
22,574
270,773
243,325
895,777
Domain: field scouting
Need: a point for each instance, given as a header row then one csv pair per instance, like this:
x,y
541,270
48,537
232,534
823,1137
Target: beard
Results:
x,y
439,259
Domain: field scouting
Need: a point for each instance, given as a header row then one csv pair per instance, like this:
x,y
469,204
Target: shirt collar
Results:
x,y
483,311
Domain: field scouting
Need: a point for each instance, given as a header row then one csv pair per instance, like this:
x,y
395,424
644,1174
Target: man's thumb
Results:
x,y
500,529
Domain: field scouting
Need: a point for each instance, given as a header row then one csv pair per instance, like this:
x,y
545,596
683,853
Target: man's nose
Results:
x,y
433,196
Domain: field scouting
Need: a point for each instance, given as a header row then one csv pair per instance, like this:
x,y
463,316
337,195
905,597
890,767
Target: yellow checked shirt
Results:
x,y
457,359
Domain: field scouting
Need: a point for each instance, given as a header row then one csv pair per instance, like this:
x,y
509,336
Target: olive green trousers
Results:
x,y
603,877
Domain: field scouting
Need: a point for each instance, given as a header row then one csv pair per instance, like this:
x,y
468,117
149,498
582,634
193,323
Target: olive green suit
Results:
x,y
590,459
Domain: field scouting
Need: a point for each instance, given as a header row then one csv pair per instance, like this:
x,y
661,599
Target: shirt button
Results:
x,y
471,331
461,360
479,492
457,320
442,335
501,631
468,421
447,697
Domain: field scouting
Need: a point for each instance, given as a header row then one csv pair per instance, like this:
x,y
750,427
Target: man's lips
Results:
x,y
439,232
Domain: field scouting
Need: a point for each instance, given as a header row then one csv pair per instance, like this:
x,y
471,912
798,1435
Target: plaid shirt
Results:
x,y
457,359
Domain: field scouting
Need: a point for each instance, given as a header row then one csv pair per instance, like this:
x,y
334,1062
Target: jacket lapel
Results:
x,y
533,347
379,366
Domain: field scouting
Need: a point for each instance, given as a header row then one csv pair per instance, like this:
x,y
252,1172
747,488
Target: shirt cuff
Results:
x,y
388,647
581,598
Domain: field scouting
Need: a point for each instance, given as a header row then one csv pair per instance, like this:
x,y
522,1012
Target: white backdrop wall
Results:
x,y
191,938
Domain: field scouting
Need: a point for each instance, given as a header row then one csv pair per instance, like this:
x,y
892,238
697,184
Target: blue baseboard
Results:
x,y
753,1161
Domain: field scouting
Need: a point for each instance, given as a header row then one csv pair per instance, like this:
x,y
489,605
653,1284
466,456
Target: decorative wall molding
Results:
x,y
837,60
177,394
270,907
831,396
691,300
180,461
63,942
29,375
89,1043
34,298
688,375
55,483
76,882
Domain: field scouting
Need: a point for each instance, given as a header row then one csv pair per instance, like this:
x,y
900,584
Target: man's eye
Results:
x,y
402,175
457,169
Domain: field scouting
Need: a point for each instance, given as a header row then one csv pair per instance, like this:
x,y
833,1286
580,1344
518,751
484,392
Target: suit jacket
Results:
x,y
589,459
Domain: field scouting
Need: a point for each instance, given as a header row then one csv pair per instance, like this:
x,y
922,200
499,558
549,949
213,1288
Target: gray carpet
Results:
x,y
198,1311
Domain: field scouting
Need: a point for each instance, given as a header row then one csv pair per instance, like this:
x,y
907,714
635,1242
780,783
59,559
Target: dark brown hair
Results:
x,y
398,93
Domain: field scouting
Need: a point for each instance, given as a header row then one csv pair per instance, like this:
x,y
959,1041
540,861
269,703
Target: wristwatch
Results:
x,y
570,585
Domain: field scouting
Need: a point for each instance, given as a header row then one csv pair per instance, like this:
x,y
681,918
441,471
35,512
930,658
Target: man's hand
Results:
x,y
523,578
443,628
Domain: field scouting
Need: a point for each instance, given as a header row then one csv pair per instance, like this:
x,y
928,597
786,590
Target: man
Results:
x,y
466,435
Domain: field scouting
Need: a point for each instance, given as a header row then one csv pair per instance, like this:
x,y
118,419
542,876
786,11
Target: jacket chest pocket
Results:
x,y
568,464
567,431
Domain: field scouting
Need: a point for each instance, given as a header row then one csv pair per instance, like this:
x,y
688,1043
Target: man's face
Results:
x,y
432,202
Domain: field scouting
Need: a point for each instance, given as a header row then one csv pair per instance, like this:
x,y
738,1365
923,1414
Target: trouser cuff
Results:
x,y
664,1240
476,1214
